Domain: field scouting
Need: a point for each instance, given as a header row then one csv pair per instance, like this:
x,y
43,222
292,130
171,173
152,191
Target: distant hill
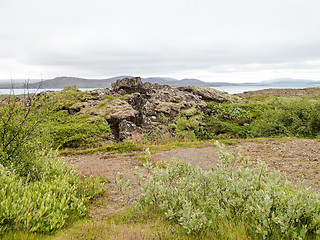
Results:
x,y
17,83
289,81
60,82
159,80
198,83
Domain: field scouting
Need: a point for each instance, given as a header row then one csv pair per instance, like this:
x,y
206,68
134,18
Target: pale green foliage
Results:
x,y
38,193
187,126
46,204
270,205
21,138
121,184
147,154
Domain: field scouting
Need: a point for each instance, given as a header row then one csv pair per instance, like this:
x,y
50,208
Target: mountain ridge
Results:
x,y
60,82
63,81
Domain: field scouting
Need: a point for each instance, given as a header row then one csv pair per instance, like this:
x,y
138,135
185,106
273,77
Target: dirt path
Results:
x,y
297,158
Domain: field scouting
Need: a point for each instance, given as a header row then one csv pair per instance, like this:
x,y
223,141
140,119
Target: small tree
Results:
x,y
21,137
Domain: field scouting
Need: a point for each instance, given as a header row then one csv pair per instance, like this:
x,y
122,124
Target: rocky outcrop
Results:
x,y
76,107
132,107
128,85
99,94
208,94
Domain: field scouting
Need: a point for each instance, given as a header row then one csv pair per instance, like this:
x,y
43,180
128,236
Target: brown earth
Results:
x,y
310,92
297,158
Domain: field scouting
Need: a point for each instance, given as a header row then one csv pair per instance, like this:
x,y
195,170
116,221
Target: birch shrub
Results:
x,y
298,117
21,137
268,204
46,204
38,193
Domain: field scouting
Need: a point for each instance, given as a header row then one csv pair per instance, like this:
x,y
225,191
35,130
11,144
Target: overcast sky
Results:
x,y
212,40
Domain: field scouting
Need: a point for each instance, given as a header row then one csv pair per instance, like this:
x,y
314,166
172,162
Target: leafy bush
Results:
x,y
297,117
43,205
227,120
231,111
21,137
186,126
38,193
198,200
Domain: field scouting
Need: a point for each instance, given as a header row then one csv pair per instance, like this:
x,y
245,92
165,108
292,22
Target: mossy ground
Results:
x,y
230,124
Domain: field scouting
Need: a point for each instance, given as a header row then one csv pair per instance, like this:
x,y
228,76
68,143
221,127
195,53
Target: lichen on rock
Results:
x,y
132,107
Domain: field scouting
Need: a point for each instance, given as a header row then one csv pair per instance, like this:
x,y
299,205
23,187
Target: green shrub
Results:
x,y
223,129
67,97
297,117
74,131
38,193
71,88
229,120
239,113
200,200
21,137
46,204
186,127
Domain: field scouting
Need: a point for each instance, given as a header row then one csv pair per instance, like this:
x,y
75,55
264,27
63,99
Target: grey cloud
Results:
x,y
146,37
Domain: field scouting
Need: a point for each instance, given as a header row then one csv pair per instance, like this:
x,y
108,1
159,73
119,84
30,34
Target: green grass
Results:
x,y
76,131
228,122
128,147
121,147
23,235
140,224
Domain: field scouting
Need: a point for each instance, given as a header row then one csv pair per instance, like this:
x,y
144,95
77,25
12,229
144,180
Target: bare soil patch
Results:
x,y
310,92
296,158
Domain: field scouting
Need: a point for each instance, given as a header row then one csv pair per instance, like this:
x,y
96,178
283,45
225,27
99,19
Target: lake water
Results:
x,y
228,89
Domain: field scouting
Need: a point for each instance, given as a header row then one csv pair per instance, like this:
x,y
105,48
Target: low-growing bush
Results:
x,y
186,126
76,131
21,137
47,202
229,120
267,204
299,117
38,193
68,96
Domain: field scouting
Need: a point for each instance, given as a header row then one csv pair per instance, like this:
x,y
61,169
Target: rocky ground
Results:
x,y
131,105
297,158
268,93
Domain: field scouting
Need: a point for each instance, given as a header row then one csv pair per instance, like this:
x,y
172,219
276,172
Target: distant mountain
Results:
x,y
17,83
289,81
196,82
60,82
159,80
